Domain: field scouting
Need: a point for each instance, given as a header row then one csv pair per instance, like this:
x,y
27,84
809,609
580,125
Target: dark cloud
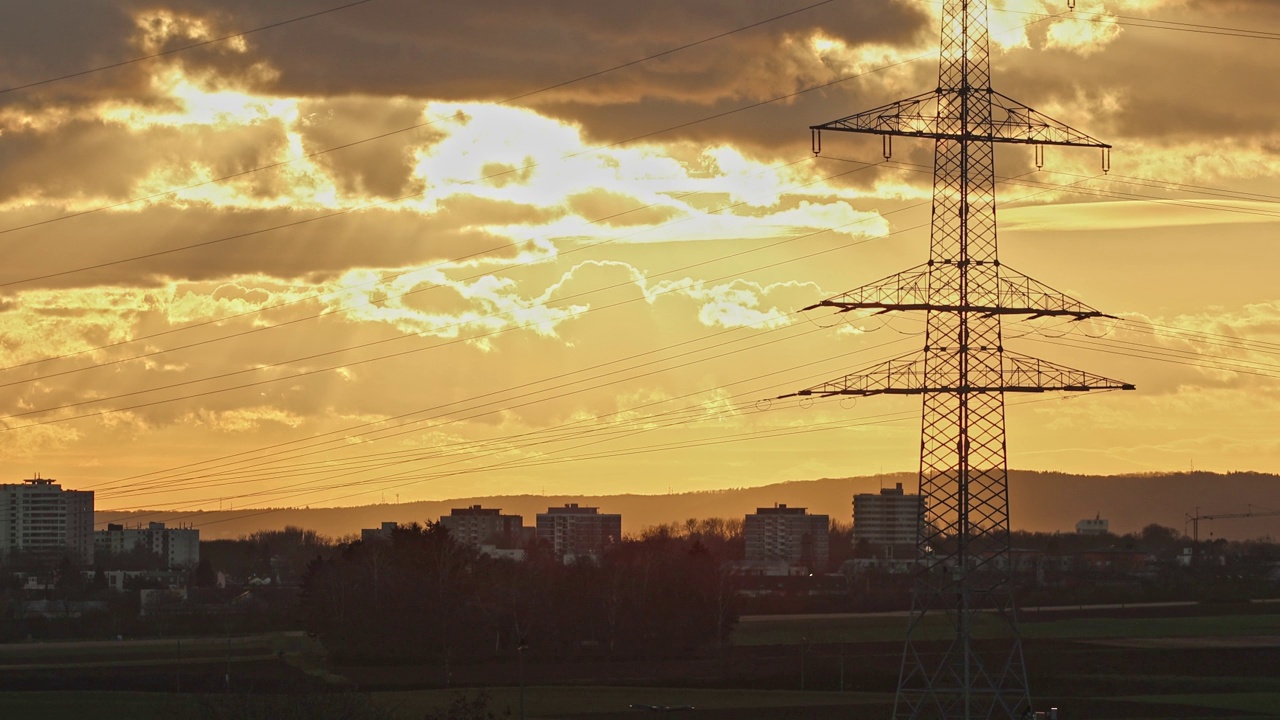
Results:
x,y
453,51
500,49
1167,84
107,161
1160,85
317,250
50,38
380,168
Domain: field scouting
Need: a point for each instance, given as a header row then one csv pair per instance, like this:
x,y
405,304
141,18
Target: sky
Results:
x,y
411,249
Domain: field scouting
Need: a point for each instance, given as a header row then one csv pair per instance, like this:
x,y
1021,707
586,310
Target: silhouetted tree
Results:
x,y
1159,538
840,542
204,576
69,584
422,596
99,582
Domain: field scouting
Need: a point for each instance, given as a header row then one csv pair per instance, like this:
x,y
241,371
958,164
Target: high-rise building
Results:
x,y
476,526
890,518
178,547
38,516
577,531
790,534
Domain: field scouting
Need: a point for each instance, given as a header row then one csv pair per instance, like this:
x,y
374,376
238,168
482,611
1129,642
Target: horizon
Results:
x,y
1036,507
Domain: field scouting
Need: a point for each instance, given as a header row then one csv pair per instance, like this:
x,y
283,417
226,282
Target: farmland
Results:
x,y
1186,661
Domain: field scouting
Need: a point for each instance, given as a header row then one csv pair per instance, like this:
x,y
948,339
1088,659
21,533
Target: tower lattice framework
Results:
x,y
963,567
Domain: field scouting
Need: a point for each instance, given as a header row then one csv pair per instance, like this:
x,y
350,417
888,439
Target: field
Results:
x,y
1176,621
1135,663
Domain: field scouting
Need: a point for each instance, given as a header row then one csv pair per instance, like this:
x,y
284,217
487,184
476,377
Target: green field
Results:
x,y
553,702
548,703
98,705
1104,665
1263,703
845,629
166,650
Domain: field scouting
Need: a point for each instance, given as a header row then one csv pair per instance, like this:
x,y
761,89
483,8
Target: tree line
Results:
x,y
421,596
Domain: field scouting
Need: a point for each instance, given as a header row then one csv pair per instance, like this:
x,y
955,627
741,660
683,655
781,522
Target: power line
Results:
x,y
383,300
383,480
409,481
1154,24
535,435
1243,194
1117,194
889,417
292,458
565,431
401,353
1148,351
383,341
1203,337
374,283
382,203
291,443
1157,357
350,429
1143,352
439,409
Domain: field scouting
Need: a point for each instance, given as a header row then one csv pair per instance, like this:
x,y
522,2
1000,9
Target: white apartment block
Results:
x,y
789,534
179,547
38,516
890,518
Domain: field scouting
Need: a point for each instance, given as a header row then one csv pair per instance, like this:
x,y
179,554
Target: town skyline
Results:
x,y
594,288
1040,502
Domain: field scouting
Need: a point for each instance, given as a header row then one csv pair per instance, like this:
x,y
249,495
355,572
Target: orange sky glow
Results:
x,y
391,251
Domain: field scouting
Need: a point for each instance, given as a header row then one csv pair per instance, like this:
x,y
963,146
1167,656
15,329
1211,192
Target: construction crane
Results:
x,y
1194,520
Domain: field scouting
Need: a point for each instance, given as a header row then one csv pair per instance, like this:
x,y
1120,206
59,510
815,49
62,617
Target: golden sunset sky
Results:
x,y
425,250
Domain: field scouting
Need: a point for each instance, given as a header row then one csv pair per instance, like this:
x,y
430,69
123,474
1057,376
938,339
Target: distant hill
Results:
x,y
1039,501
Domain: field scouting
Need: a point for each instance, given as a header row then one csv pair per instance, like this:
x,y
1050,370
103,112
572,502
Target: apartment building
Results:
x,y
788,534
574,531
479,526
889,518
178,547
38,516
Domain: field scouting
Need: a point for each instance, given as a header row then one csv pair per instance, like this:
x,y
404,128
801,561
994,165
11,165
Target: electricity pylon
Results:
x,y
963,373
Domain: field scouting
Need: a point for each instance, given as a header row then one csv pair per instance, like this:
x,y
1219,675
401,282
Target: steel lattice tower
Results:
x,y
963,374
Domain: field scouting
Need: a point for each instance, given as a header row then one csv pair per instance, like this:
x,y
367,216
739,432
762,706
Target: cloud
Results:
x,y
303,246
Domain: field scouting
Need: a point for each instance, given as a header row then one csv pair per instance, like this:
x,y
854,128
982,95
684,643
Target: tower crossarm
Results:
x,y
899,376
928,116
906,376
1015,122
1024,373
1016,294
